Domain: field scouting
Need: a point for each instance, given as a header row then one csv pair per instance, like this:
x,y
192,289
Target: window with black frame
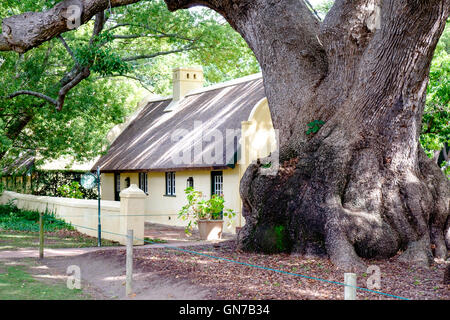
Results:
x,y
170,184
217,182
116,186
217,185
190,182
143,182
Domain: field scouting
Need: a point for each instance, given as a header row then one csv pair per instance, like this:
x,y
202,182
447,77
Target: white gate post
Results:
x,y
350,286
132,210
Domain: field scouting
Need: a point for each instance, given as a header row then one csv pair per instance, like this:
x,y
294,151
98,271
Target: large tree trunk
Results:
x,y
362,186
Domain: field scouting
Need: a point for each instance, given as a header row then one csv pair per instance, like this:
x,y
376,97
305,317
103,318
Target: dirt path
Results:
x,y
103,277
34,253
172,235
164,274
103,269
103,273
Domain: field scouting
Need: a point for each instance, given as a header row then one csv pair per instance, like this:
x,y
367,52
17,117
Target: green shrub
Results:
x,y
71,191
12,218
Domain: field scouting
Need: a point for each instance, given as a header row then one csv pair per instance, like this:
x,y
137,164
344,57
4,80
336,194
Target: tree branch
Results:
x,y
158,33
33,93
153,55
311,7
143,35
85,73
64,43
75,76
28,30
4,45
98,26
142,83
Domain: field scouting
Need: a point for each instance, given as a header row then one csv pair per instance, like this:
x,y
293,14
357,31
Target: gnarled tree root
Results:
x,y
374,215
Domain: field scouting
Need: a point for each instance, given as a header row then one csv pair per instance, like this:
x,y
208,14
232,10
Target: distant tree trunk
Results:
x,y
362,186
15,128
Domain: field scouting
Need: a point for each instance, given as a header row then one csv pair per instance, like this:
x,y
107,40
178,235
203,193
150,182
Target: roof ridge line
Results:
x,y
225,84
174,104
216,86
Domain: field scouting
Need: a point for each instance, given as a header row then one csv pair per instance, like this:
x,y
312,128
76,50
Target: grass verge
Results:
x,y
18,283
15,240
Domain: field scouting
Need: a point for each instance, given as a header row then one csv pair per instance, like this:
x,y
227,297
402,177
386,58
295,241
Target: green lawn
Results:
x,y
18,283
24,278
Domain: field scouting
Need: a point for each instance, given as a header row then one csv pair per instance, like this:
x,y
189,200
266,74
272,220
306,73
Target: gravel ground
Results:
x,y
226,280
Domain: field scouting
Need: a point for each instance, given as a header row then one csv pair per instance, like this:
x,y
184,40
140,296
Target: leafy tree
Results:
x,y
435,136
65,95
351,188
71,190
323,7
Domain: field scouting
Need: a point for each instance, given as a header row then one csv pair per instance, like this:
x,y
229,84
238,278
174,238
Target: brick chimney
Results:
x,y
185,79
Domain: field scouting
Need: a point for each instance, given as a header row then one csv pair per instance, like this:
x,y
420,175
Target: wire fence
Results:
x,y
162,245
122,215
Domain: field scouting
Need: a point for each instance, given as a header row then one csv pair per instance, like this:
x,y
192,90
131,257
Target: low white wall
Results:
x,y
82,214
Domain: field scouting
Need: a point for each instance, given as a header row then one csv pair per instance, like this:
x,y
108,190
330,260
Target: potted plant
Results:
x,y
206,214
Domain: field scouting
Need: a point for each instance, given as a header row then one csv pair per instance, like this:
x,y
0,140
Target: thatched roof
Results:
x,y
153,138
19,165
27,162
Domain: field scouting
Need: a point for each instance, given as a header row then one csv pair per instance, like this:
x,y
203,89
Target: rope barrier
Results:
x,y
248,264
117,215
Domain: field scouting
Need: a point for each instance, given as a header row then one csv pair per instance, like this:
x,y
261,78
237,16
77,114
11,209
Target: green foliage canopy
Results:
x,y
133,56
436,128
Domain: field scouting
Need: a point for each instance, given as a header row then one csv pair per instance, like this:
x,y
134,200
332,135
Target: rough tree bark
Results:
x,y
28,30
447,276
362,186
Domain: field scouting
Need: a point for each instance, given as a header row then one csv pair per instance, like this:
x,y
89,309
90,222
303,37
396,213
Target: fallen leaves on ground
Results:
x,y
228,280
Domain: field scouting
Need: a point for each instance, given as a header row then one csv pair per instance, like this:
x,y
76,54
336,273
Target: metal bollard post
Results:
x,y
129,263
350,288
